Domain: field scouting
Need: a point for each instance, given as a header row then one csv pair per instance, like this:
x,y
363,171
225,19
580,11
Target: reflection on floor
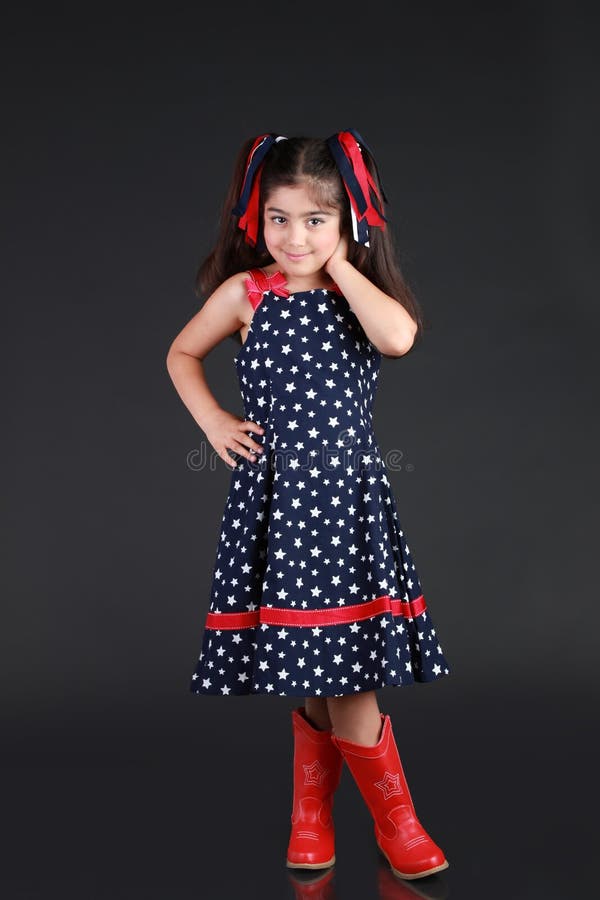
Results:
x,y
321,885
197,805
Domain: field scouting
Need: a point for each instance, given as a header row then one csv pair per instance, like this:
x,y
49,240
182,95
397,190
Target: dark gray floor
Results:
x,y
198,806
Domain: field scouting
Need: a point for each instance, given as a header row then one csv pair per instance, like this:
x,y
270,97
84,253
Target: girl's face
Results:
x,y
299,235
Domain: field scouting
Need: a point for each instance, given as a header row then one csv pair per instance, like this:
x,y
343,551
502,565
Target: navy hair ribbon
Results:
x,y
247,206
366,205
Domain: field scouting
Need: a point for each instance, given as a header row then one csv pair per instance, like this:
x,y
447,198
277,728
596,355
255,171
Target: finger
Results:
x,y
242,449
227,458
252,426
248,441
252,445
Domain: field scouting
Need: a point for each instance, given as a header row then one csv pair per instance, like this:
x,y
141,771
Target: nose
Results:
x,y
296,235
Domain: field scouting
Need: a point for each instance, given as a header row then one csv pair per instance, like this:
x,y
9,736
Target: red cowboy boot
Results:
x,y
317,771
380,778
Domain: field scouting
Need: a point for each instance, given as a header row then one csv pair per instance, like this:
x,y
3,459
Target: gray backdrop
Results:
x,y
122,130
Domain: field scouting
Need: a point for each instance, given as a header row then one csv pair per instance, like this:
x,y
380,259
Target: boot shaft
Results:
x,y
378,770
318,762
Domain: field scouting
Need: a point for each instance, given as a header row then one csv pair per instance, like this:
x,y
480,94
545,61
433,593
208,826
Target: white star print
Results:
x,y
310,381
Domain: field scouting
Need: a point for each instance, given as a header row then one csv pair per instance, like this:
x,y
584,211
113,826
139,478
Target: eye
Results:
x,y
273,218
318,221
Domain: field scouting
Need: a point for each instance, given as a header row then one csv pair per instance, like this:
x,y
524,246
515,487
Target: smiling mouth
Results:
x,y
296,255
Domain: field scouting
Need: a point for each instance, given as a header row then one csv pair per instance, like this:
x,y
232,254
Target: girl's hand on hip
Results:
x,y
227,431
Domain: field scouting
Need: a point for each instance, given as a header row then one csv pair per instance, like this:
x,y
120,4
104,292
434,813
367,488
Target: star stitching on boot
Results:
x,y
389,784
314,773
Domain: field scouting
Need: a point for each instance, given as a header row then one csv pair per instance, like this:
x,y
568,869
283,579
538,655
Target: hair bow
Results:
x,y
259,283
248,207
366,205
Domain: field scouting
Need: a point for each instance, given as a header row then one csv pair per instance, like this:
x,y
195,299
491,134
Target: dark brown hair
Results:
x,y
308,161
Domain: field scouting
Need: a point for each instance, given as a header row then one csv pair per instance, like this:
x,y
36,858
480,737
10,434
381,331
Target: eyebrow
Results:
x,y
313,212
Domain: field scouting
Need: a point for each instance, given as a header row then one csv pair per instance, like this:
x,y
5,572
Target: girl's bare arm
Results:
x,y
224,312
387,324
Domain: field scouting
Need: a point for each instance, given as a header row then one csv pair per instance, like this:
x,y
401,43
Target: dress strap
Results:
x,y
259,283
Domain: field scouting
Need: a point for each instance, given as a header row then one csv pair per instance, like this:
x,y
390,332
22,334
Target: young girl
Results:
x,y
314,590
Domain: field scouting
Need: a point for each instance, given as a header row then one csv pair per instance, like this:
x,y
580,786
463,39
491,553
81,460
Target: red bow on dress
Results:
x,y
259,283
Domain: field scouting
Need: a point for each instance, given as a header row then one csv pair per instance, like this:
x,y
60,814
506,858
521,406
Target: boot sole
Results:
x,y
411,876
321,865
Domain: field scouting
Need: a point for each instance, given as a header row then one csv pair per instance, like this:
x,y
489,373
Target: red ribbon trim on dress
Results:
x,y
309,618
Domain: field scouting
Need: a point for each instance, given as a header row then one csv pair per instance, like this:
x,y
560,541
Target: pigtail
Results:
x,y
378,260
231,253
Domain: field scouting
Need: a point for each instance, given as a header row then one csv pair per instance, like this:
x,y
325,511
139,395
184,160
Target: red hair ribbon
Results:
x,y
366,205
248,207
259,283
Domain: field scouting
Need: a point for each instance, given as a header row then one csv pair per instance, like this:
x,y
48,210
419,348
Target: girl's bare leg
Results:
x,y
317,712
356,717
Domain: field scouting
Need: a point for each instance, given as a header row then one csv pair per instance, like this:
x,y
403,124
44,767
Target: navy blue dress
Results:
x,y
314,589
